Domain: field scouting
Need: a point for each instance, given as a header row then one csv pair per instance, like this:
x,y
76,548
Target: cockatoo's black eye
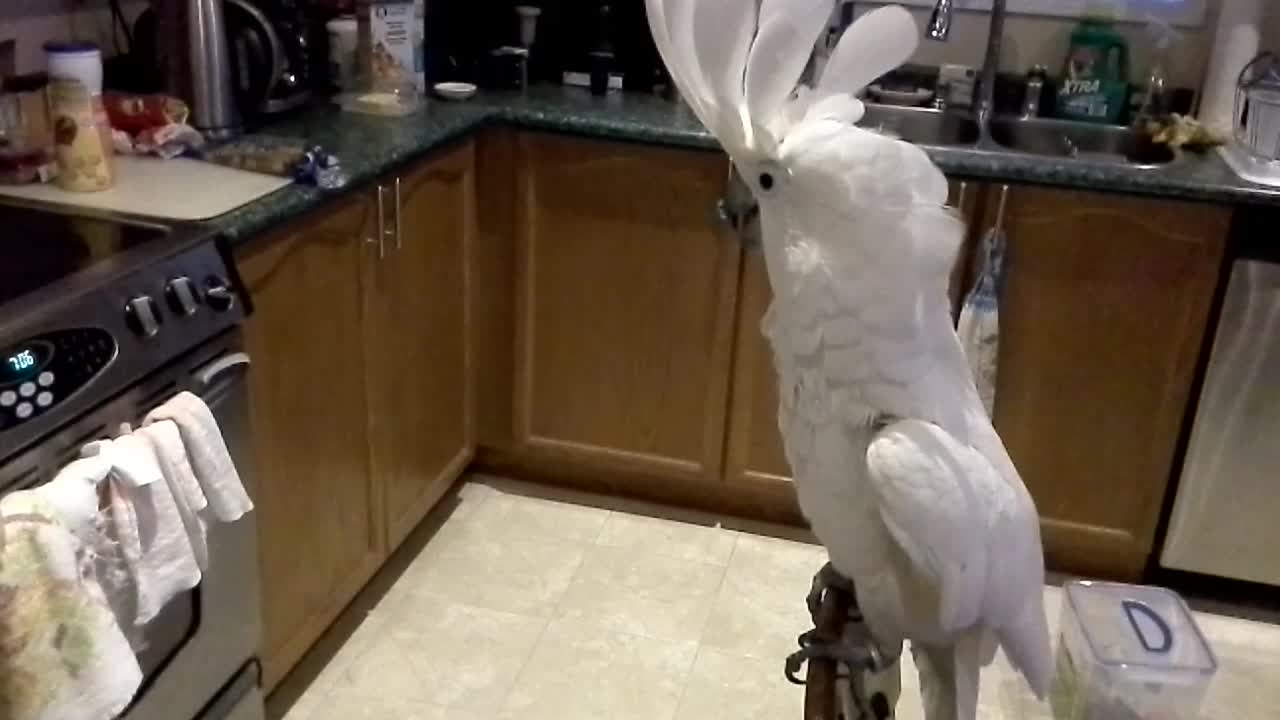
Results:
x,y
766,181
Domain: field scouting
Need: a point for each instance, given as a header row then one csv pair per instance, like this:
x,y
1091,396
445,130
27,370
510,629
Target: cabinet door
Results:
x,y
420,409
625,308
317,510
755,455
1102,319
965,197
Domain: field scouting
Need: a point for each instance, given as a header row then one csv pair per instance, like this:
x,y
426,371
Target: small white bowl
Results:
x,y
455,90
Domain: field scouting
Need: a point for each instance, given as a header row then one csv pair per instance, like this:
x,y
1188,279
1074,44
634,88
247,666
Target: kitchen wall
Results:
x,y
1033,41
1029,40
34,22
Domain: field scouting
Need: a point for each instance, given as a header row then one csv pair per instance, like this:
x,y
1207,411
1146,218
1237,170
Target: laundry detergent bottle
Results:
x,y
1095,77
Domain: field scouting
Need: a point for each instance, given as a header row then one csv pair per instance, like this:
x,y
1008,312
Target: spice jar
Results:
x,y
26,138
81,130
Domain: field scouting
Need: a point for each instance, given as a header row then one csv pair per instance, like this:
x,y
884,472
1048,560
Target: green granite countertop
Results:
x,y
370,146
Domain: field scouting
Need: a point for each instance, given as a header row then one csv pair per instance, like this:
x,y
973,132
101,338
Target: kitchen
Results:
x,y
535,286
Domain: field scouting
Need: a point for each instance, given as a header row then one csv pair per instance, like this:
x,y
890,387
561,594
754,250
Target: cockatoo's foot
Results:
x,y
827,578
857,655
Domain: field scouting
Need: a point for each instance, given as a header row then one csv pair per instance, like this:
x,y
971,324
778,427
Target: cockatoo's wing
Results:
x,y
975,533
928,484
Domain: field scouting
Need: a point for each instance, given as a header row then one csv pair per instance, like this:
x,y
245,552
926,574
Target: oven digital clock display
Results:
x,y
23,363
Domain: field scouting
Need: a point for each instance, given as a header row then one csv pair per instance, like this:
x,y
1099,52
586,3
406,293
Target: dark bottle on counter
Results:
x,y
602,56
601,64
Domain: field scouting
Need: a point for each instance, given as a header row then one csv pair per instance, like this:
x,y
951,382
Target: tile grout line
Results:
x,y
544,620
715,594
715,598
688,680
608,515
524,665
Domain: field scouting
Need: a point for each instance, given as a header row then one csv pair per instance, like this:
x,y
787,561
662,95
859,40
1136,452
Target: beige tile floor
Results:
x,y
524,602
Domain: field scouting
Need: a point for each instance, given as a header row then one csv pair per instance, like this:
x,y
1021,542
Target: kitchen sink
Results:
x,y
1045,137
922,126
1115,144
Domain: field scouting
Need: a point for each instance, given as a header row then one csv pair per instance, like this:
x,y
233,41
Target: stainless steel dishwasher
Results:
x,y
1226,513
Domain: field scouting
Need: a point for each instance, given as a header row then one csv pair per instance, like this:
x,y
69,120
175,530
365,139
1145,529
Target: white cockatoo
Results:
x,y
896,464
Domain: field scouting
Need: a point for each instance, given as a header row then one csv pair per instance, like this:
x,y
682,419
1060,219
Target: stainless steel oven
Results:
x,y
101,321
206,638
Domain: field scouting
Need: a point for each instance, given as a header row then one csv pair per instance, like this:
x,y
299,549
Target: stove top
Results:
x,y
42,248
91,305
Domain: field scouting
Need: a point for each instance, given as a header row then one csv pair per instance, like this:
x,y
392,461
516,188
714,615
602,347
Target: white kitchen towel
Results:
x,y
208,454
145,520
73,492
979,324
81,495
62,652
191,501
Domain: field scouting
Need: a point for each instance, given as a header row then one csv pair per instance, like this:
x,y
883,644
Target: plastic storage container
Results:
x,y
386,80
1129,652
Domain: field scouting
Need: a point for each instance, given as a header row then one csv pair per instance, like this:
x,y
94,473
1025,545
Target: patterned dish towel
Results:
x,y
63,655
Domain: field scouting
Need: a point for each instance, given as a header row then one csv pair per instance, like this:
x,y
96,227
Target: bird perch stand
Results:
x,y
821,690
834,688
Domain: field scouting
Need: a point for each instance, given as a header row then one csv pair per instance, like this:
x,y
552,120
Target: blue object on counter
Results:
x,y
321,169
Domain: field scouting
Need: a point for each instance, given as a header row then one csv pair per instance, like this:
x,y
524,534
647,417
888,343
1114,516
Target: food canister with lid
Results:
x,y
1129,652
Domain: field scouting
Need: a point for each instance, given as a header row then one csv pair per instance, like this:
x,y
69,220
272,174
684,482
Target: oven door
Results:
x,y
205,637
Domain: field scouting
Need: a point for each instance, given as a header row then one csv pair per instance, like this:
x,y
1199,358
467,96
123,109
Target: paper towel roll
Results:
x,y
1235,43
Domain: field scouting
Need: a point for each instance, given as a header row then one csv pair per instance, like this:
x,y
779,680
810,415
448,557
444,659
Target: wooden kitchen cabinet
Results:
x,y
417,351
966,196
318,508
754,454
361,389
1102,315
624,310
1102,319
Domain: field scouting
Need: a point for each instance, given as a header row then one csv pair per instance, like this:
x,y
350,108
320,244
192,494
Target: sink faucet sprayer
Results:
x,y
939,29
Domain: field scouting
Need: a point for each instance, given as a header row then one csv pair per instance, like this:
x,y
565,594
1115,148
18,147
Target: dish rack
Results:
x,y
1254,153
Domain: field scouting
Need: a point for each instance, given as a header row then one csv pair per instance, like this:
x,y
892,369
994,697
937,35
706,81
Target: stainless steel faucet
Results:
x,y
940,21
940,27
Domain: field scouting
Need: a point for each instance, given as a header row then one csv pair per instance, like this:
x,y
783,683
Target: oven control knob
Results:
x,y
181,294
143,316
218,293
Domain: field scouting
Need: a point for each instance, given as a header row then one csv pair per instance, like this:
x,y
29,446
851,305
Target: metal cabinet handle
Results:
x,y
399,223
964,195
1004,201
382,225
